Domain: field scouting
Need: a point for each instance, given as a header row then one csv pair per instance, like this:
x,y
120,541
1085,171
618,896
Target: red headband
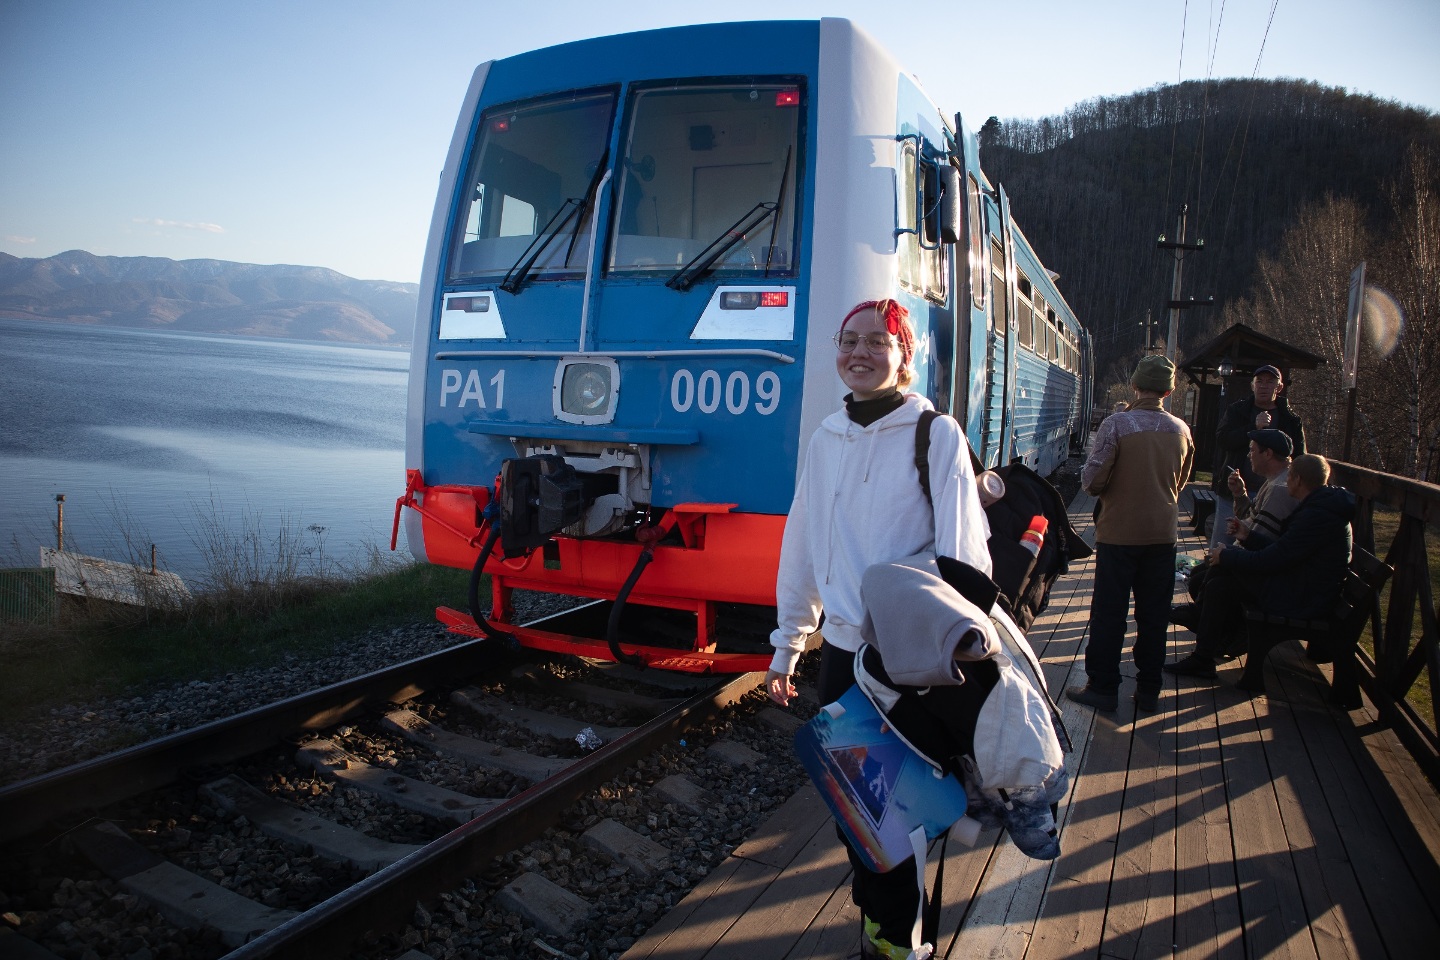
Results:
x,y
895,316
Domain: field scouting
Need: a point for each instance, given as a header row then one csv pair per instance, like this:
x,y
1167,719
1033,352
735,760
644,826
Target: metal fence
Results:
x,y
1403,654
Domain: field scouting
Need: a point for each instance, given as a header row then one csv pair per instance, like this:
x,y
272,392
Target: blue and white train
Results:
x,y
640,251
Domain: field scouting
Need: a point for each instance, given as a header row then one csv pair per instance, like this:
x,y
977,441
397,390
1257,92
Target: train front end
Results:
x,y
605,383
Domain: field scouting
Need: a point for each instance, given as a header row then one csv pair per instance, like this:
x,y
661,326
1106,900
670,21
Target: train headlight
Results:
x,y
586,390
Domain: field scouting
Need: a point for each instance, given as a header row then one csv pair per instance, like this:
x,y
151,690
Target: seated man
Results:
x,y
1265,514
1296,575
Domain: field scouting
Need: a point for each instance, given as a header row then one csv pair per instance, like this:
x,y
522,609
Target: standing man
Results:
x,y
1139,462
1264,409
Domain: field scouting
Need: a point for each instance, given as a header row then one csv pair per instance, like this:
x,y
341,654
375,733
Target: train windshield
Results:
x,y
528,197
707,183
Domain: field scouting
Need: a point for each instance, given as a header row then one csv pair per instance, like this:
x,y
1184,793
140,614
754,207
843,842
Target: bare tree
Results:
x,y
1301,296
1410,270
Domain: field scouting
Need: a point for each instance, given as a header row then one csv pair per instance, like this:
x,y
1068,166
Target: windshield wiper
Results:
x,y
572,209
686,276
517,273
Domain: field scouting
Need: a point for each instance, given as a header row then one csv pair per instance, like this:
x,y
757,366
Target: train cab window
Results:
x,y
923,264
977,243
709,171
530,187
908,239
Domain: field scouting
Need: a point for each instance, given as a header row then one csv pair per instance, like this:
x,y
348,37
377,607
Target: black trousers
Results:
x,y
1147,572
890,899
1222,610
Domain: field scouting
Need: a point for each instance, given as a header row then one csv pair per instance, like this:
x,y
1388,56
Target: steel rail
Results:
x,y
71,792
384,901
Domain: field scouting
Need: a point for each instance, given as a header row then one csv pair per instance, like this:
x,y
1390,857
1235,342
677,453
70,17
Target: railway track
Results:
x,y
394,810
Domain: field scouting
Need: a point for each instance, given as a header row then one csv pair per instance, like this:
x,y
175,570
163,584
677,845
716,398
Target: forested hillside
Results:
x,y
1288,183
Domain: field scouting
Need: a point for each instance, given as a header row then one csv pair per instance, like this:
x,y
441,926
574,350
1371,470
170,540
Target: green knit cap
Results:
x,y
1154,373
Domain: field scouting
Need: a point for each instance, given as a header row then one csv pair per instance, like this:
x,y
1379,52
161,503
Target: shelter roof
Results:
x,y
1244,349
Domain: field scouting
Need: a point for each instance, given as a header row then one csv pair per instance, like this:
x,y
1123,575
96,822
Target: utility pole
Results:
x,y
1176,304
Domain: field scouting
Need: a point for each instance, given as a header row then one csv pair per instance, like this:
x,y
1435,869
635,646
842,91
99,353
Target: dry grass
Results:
x,y
262,596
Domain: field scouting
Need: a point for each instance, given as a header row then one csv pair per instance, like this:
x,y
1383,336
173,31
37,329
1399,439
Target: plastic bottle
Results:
x,y
1034,535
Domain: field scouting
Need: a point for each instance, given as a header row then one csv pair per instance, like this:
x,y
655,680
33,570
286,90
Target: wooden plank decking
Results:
x,y
1219,827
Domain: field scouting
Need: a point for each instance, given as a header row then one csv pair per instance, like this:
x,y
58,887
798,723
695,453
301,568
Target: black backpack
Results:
x,y
1024,579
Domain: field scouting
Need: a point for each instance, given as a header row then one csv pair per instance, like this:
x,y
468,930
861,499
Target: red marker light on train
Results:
x,y
753,299
787,98
501,125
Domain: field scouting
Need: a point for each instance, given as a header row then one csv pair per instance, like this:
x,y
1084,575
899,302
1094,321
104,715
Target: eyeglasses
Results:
x,y
874,342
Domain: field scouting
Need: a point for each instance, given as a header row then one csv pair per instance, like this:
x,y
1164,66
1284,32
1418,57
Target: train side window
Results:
x,y
1024,316
977,243
924,264
999,313
908,241
532,172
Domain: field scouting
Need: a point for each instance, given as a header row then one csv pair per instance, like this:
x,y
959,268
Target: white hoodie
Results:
x,y
858,503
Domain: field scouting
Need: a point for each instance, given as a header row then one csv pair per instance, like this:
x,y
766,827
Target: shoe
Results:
x,y
1091,697
1192,666
1185,615
875,947
1147,700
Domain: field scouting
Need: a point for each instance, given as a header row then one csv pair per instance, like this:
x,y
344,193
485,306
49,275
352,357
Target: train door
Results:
x,y
971,269
1006,335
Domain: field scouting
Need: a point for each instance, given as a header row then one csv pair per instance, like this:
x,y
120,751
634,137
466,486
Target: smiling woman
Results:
x,y
162,438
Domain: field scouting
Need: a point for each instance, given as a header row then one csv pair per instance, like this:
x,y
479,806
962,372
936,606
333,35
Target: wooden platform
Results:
x,y
1219,827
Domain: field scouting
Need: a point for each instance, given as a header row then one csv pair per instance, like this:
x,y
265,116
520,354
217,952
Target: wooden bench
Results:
x,y
1328,640
1202,507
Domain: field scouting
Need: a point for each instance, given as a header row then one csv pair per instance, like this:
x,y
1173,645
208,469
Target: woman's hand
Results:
x,y
778,687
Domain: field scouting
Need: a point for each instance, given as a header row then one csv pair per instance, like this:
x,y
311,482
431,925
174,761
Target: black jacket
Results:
x,y
1304,568
1232,440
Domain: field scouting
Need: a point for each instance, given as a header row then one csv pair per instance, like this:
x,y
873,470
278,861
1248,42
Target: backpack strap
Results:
x,y
922,450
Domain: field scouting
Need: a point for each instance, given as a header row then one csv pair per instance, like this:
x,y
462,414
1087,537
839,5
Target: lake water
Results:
x,y
160,438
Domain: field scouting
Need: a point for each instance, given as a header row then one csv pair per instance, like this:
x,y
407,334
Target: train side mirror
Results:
x,y
949,210
941,197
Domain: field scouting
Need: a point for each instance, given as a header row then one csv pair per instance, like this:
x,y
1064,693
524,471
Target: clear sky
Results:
x,y
313,131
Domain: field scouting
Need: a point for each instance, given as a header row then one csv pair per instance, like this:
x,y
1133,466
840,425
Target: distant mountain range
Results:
x,y
207,296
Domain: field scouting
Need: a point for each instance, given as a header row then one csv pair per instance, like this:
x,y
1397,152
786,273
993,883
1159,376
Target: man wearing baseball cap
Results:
x,y
1264,409
1139,461
1297,575
1258,521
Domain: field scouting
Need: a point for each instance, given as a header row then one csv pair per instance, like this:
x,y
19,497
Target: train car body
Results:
x,y
641,248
